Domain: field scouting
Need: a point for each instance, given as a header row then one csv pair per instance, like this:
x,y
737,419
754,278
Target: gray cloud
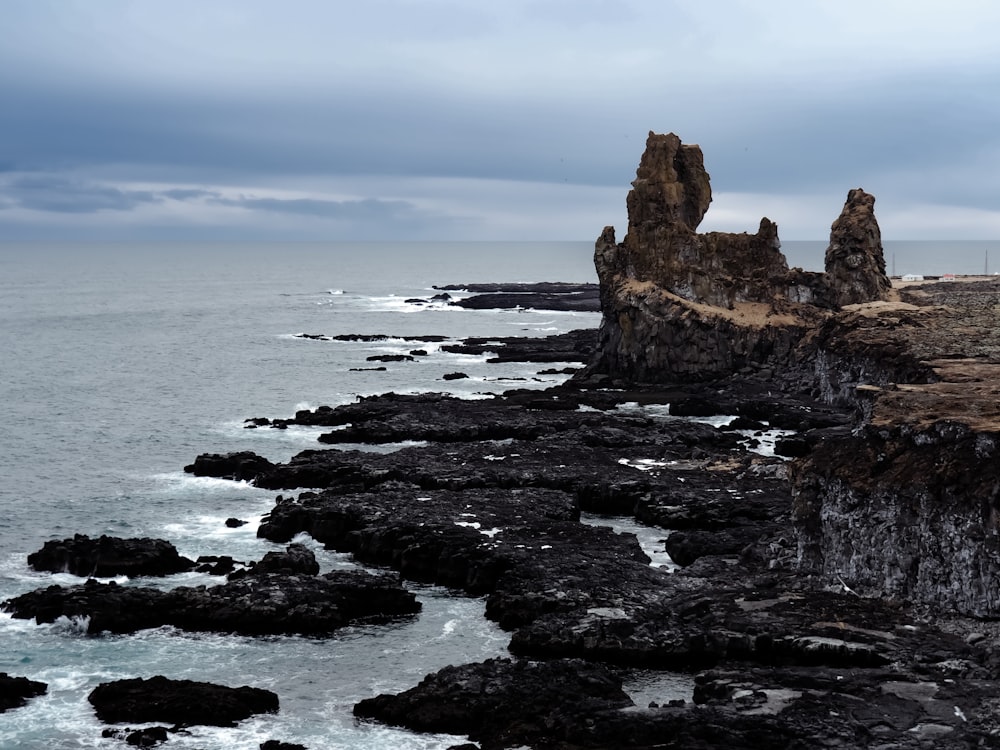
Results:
x,y
785,98
370,209
61,195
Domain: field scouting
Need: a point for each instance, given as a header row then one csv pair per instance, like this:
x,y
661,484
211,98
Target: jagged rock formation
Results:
x,y
669,198
679,305
855,265
906,505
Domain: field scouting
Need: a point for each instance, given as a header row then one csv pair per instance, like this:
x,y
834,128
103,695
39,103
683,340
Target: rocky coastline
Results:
x,y
819,452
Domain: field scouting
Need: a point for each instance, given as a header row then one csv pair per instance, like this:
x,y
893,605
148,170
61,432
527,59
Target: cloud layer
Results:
x,y
449,119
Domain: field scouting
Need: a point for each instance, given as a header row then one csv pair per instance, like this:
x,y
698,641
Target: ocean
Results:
x,y
121,363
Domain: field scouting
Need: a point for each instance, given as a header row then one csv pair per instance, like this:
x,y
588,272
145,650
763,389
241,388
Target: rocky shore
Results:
x,y
816,452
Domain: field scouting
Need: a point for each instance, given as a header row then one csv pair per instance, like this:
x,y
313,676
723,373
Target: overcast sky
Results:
x,y
466,119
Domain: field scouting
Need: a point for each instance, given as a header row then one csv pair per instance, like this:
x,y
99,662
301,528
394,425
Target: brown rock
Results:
x,y
683,306
855,265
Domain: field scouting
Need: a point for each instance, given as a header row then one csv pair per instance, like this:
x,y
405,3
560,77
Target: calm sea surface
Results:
x,y
121,363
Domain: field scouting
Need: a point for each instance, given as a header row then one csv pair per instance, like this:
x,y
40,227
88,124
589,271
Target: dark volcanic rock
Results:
x,y
179,702
16,691
585,301
574,346
500,702
109,556
538,287
240,466
257,604
295,559
542,296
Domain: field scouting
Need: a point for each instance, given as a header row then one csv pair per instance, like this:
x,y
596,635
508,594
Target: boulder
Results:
x,y
295,559
179,702
239,466
16,691
109,556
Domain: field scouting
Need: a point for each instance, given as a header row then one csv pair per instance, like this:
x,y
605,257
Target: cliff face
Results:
x,y
907,512
679,305
908,505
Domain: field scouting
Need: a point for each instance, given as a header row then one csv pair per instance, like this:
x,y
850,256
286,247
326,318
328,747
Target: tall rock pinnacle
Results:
x,y
679,305
855,264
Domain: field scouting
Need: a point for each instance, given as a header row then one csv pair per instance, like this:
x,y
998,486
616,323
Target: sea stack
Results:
x,y
855,263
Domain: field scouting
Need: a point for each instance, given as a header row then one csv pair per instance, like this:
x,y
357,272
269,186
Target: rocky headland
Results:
x,y
816,451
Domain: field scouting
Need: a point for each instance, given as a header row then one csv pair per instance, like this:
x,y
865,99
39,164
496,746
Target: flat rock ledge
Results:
x,y
179,702
501,702
260,602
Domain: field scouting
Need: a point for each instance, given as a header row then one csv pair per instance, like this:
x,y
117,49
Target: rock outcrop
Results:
x,y
274,597
109,556
907,505
855,264
502,702
17,691
683,306
181,702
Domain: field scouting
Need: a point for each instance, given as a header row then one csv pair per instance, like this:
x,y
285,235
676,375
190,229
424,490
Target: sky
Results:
x,y
239,120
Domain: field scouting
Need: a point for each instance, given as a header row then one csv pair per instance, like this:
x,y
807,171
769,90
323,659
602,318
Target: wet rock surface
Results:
x,y
109,556
240,466
280,594
540,296
479,700
490,506
179,702
17,691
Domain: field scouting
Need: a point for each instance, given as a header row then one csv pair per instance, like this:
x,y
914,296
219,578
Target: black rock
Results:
x,y
109,556
178,702
240,466
501,701
259,604
295,559
16,691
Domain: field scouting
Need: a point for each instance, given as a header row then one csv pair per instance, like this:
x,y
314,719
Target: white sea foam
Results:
x,y
177,480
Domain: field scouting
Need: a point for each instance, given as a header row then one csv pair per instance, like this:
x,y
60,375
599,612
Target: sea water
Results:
x,y
121,363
